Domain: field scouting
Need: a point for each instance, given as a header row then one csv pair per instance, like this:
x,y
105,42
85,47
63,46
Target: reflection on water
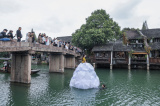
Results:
x,y
111,77
124,87
18,94
82,97
148,76
129,75
4,89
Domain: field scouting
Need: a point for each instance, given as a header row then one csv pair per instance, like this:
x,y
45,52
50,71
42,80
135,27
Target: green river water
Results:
x,y
124,88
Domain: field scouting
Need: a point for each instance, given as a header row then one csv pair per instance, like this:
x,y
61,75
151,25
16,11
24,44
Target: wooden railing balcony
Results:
x,y
103,58
154,60
139,58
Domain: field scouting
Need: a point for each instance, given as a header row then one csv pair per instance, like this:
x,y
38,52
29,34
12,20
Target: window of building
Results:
x,y
119,54
97,54
140,41
134,45
141,45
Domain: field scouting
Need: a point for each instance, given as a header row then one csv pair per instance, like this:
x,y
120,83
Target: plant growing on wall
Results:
x,y
125,40
130,53
145,56
146,46
148,49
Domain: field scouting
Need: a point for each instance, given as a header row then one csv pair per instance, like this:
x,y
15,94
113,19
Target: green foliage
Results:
x,y
130,53
99,29
4,54
144,26
128,29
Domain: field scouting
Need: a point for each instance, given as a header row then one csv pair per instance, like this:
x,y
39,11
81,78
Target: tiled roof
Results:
x,y
105,47
117,46
121,47
130,34
155,46
151,33
65,38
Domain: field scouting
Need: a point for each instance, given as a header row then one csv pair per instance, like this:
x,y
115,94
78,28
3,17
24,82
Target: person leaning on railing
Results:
x,y
3,33
10,35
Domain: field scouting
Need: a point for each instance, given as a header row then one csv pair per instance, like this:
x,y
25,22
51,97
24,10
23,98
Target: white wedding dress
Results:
x,y
84,77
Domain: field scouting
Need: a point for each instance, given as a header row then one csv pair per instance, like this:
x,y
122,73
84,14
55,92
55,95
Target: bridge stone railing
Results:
x,y
13,46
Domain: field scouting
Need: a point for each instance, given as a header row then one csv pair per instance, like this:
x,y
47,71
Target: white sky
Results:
x,y
63,17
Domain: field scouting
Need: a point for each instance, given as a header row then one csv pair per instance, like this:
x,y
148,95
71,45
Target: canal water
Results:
x,y
124,88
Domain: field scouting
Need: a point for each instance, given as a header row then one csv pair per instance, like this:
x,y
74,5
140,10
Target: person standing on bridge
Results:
x,y
27,36
47,40
43,39
19,35
40,38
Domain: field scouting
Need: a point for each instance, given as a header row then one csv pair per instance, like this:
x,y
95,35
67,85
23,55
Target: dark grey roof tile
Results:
x,y
130,34
155,46
151,33
121,47
65,38
105,47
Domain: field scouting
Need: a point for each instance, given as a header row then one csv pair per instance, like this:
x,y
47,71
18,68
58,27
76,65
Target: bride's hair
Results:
x,y
83,56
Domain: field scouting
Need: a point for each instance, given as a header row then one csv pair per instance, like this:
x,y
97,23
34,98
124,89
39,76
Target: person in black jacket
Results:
x,y
19,35
4,33
10,34
33,39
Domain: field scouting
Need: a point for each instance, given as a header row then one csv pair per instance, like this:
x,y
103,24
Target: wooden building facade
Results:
x,y
137,49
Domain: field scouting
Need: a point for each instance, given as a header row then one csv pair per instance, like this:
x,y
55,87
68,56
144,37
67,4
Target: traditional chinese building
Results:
x,y
112,54
137,49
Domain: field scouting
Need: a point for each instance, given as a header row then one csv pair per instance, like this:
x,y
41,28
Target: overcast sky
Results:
x,y
63,17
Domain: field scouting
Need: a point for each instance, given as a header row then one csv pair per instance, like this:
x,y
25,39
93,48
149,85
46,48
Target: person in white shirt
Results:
x,y
43,40
56,41
47,41
66,46
27,36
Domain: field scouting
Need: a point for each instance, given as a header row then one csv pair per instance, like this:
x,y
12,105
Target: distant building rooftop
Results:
x,y
155,46
65,38
106,47
117,46
121,47
151,33
131,34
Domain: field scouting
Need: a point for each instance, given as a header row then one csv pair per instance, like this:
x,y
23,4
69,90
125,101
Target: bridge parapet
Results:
x,y
12,46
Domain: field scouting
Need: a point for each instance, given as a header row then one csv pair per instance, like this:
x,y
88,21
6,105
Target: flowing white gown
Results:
x,y
84,77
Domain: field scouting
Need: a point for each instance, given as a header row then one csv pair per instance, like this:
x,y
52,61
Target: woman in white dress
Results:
x,y
84,77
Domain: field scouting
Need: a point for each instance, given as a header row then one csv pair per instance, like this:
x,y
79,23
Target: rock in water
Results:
x,y
84,77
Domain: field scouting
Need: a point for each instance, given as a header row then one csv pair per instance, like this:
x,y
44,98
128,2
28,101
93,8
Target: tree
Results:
x,y
99,29
144,26
130,29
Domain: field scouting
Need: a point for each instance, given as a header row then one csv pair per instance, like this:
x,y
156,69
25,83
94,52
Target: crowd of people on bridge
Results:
x,y
42,39
45,40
